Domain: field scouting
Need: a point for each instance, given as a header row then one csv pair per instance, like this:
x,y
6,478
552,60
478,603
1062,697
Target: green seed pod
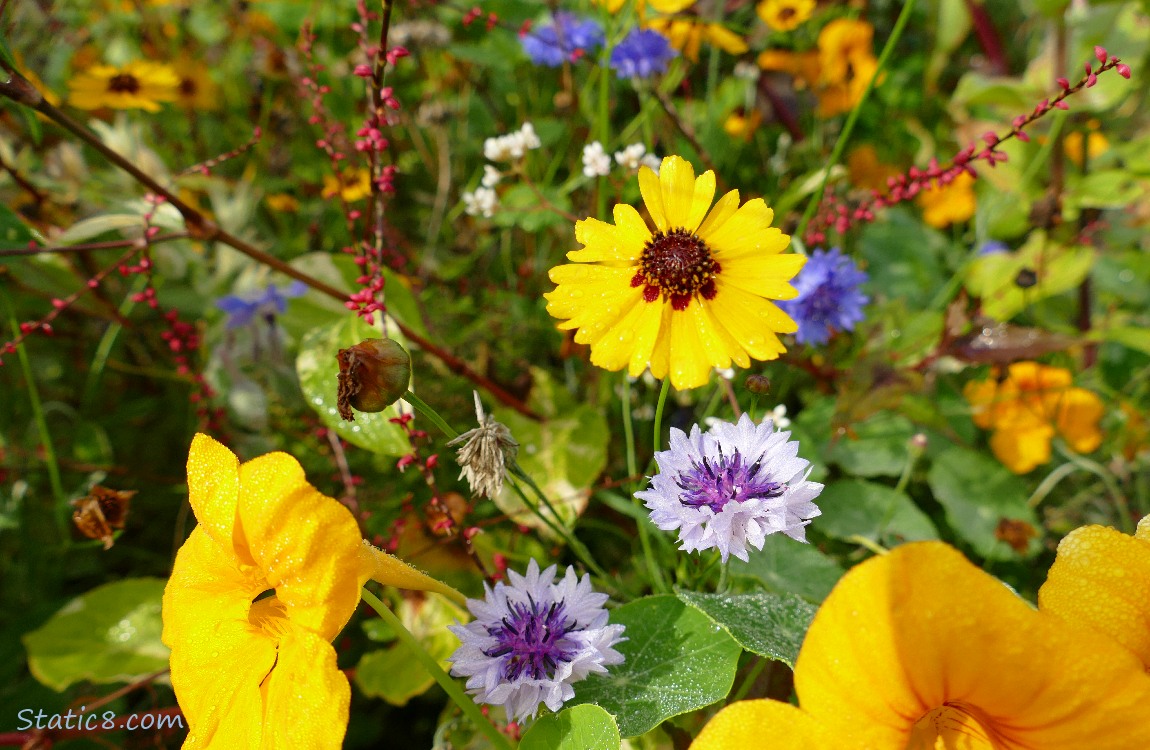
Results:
x,y
373,375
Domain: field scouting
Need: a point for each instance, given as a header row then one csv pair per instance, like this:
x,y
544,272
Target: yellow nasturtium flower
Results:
x,y
1100,580
920,650
267,579
1028,407
943,205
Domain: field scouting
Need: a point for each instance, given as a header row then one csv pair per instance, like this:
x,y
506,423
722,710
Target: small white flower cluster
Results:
x,y
635,156
596,162
484,200
513,145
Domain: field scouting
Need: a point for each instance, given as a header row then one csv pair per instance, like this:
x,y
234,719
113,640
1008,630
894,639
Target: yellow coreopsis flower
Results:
x,y
1028,407
943,205
267,579
692,295
663,6
352,185
688,34
920,650
196,89
142,84
1099,579
785,15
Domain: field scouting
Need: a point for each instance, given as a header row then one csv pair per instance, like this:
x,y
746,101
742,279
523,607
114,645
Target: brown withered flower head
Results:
x,y
101,511
486,453
373,375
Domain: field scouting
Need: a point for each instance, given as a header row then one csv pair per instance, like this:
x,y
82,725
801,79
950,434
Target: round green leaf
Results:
x,y
855,507
785,565
875,447
767,624
318,371
978,493
584,727
677,660
110,634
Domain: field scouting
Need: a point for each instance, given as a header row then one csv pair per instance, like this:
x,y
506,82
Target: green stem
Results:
x,y
450,686
659,413
107,341
1047,485
633,469
431,414
41,425
749,680
1098,470
844,136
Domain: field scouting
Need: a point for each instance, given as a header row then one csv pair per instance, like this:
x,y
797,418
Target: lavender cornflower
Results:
x,y
729,487
829,297
562,40
532,639
243,310
641,54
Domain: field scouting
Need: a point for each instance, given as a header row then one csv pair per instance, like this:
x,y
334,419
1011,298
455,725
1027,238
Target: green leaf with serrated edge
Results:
x,y
676,660
856,507
585,727
110,634
318,370
787,566
769,625
977,493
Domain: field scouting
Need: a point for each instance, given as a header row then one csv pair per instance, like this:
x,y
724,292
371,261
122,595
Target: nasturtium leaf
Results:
x,y
677,660
110,634
904,257
978,493
855,507
394,673
877,446
787,566
564,454
1058,268
769,625
584,727
318,371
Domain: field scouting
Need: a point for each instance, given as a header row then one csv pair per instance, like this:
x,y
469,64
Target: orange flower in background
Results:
x,y
866,170
138,85
920,650
785,15
1026,409
352,185
846,65
741,124
943,205
804,66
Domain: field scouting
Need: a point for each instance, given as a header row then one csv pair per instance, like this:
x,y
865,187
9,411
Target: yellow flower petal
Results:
x,y
1100,580
689,365
391,571
617,346
307,544
661,354
685,199
214,491
580,288
725,39
1024,448
1079,412
670,6
921,628
647,327
745,725
652,192
764,277
615,244
307,695
980,394
748,231
722,211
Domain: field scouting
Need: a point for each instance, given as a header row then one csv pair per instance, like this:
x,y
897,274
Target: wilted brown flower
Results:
x,y
487,451
101,511
373,375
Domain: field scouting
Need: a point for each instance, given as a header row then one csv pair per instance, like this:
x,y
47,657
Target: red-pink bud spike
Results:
x,y
1101,53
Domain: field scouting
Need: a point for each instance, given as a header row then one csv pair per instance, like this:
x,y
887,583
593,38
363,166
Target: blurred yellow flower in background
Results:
x,y
351,185
867,171
662,6
1081,147
943,205
920,650
803,66
262,585
691,296
741,124
196,89
785,15
846,65
142,84
688,34
1027,408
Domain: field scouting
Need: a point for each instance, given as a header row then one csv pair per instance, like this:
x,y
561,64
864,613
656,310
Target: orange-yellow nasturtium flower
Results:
x,y
1028,407
943,205
920,650
267,579
1101,580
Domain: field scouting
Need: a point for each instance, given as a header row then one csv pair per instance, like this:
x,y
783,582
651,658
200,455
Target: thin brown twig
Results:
x,y
20,180
688,133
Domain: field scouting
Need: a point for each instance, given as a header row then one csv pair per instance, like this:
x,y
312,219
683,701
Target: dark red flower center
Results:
x,y
676,265
124,83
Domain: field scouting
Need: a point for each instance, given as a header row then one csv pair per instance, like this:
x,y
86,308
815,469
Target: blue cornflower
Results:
x,y
730,487
532,639
993,247
829,297
641,54
553,44
243,310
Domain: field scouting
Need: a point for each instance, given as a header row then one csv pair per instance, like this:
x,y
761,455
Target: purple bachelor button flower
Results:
x,y
243,310
641,54
551,45
829,297
532,639
729,487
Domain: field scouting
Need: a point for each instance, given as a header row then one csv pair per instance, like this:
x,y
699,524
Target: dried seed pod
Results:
x,y
101,511
760,385
373,375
